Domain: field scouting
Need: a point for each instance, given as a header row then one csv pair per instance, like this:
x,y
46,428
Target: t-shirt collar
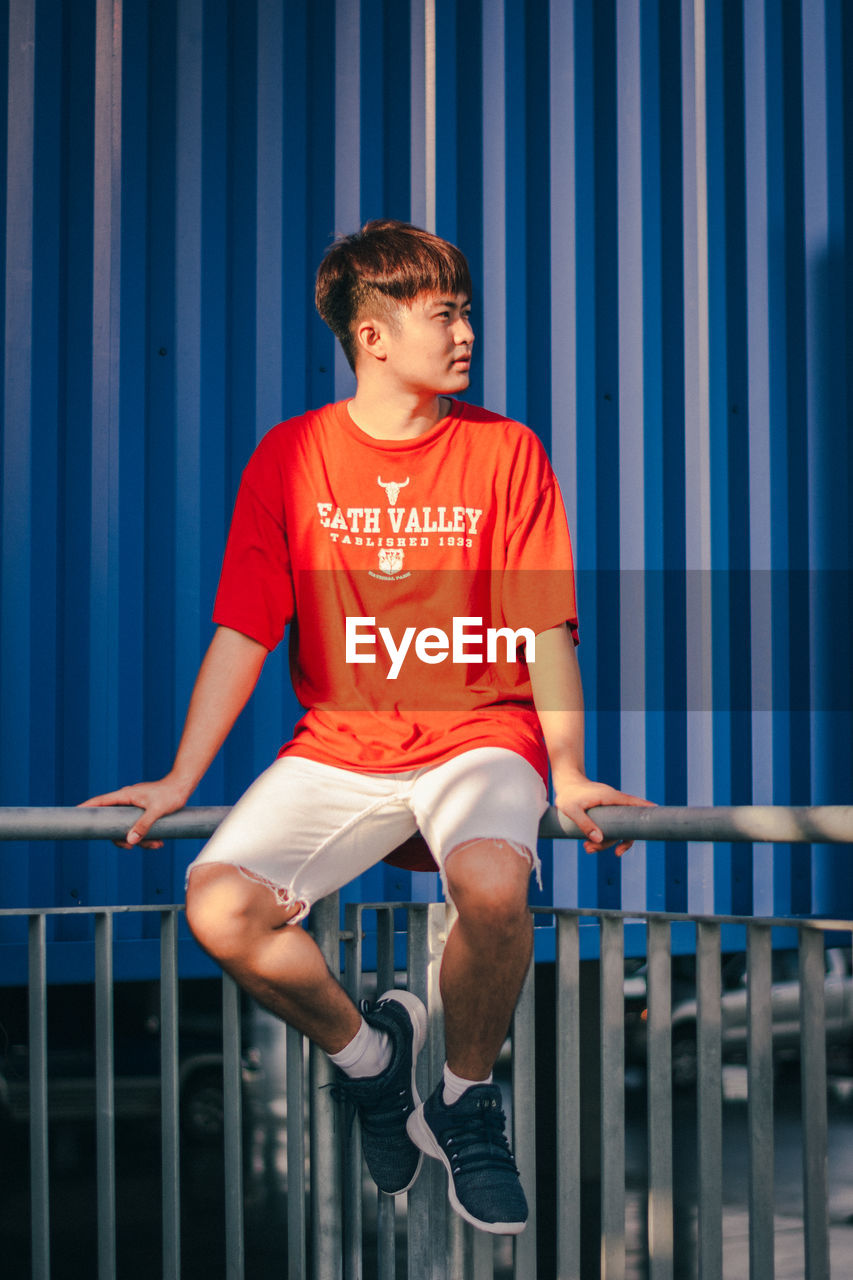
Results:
x,y
355,432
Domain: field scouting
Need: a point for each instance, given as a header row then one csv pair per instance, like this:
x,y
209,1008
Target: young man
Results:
x,y
418,549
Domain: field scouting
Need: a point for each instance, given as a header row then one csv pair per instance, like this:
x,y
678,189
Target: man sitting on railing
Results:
x,y
418,547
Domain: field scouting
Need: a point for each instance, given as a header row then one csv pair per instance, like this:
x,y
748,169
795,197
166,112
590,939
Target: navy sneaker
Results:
x,y
385,1102
469,1138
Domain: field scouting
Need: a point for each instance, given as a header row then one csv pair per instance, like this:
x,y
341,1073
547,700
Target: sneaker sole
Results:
x,y
418,1018
423,1137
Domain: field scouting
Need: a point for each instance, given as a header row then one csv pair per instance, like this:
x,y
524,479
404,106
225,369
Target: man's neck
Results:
x,y
396,417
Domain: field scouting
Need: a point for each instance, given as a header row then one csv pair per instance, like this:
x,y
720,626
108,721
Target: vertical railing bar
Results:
x,y
326,1172
386,1238
480,1254
386,1206
427,1203
760,1101
418,1260
458,1248
659,1075
709,1102
813,1085
440,920
233,1109
568,1098
39,1158
524,1122
169,1095
612,1100
351,1167
385,968
297,1242
105,1096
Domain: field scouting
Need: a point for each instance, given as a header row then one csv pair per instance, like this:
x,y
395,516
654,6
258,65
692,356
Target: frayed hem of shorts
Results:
x,y
284,897
529,855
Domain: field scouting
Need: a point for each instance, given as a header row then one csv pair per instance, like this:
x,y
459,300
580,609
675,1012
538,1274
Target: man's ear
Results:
x,y
370,338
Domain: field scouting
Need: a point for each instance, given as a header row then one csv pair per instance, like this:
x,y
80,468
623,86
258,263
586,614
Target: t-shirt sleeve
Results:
x,y
255,594
539,581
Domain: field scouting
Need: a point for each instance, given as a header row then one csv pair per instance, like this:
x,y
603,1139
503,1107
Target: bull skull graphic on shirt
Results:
x,y
392,489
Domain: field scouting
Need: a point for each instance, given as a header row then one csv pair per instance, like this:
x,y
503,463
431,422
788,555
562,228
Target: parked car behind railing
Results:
x,y
785,1011
136,1013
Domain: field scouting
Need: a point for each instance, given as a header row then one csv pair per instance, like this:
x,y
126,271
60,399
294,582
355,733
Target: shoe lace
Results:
x,y
379,1110
474,1143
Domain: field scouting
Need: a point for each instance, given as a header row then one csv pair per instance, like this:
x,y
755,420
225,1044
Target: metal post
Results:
x,y
169,1095
709,1102
813,1076
351,1156
568,1099
105,1096
760,1102
659,1073
524,1121
233,1108
428,1197
326,1177
612,1100
386,1208
297,1246
39,1180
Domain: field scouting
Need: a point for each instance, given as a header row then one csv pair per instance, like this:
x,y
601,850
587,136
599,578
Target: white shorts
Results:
x,y
305,829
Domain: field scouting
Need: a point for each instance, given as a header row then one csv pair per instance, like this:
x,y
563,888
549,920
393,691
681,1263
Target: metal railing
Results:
x,y
325,1207
818,824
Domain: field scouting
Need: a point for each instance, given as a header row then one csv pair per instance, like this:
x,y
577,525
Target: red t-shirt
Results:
x,y
360,543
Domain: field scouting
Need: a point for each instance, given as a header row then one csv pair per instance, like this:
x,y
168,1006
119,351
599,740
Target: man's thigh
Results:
x,y
304,829
488,794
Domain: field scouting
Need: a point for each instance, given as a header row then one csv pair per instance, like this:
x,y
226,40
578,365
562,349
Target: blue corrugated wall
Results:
x,y
653,200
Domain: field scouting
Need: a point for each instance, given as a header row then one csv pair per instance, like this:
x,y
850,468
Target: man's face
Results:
x,y
428,344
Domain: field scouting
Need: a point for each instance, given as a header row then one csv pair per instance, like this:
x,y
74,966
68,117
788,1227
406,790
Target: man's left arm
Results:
x,y
558,698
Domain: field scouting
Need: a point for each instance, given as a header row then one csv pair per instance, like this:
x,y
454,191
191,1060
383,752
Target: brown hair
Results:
x,y
387,261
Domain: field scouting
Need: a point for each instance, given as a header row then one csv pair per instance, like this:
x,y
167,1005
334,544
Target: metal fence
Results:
x,y
326,1190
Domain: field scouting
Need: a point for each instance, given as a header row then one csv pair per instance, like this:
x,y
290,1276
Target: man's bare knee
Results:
x,y
228,912
488,882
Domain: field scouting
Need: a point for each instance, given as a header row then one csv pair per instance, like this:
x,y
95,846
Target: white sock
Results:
x,y
367,1054
455,1086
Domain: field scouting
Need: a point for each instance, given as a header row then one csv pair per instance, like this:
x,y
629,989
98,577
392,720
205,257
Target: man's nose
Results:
x,y
462,331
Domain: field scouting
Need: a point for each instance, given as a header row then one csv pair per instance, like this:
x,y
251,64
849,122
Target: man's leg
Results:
x,y
487,954
483,968
239,922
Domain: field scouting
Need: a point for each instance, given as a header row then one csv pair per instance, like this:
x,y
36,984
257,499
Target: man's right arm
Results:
x,y
226,679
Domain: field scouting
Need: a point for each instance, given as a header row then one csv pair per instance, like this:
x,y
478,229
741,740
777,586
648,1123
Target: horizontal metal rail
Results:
x,y
780,824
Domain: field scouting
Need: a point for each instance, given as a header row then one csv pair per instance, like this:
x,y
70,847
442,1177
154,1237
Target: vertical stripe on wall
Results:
x,y
631,428
652,197
828,436
758,374
423,113
346,144
562,316
271,342
106,521
493,342
699,619
16,678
